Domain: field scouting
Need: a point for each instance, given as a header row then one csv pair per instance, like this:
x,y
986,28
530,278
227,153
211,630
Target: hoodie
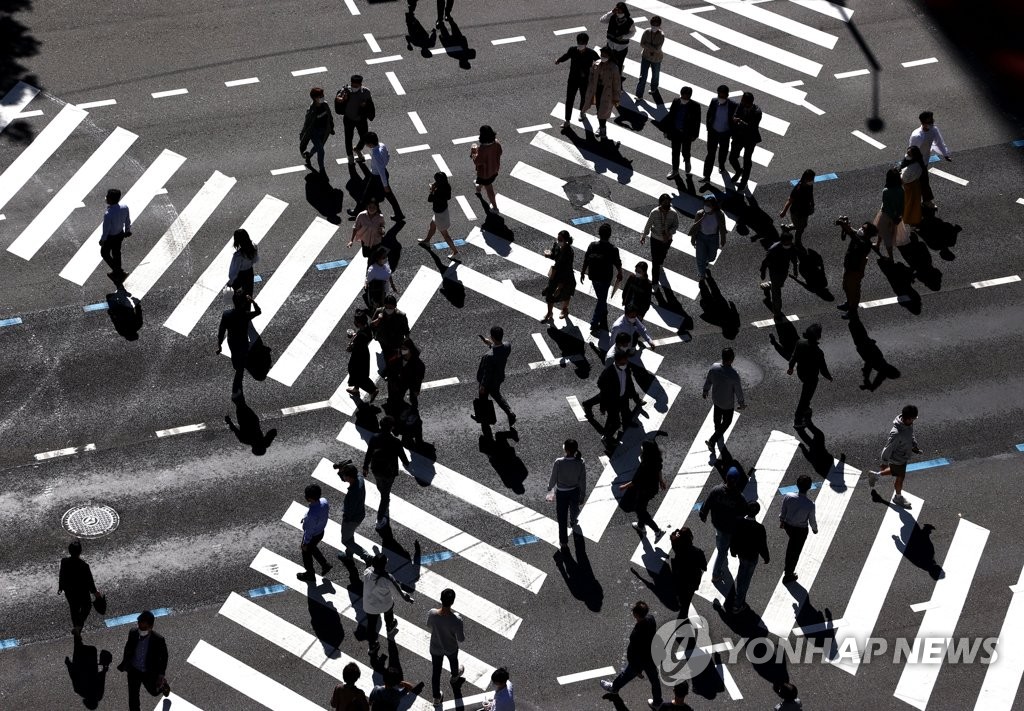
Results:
x,y
900,444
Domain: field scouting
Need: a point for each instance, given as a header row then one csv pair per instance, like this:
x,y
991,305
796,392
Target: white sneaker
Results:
x,y
901,502
607,686
872,478
638,528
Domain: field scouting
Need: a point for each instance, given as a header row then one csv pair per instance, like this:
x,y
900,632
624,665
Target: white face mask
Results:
x,y
860,232
143,633
631,319
621,367
389,311
405,351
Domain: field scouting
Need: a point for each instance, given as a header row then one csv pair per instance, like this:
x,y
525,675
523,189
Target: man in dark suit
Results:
x,y
491,372
719,124
615,390
145,661
745,135
683,127
75,581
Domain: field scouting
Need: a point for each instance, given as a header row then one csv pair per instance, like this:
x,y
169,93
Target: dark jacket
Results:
x,y
601,261
359,347
638,651
234,323
412,373
691,119
391,330
638,292
709,117
382,455
809,360
75,578
749,540
319,122
579,63
688,565
726,506
608,386
491,371
156,655
777,261
747,133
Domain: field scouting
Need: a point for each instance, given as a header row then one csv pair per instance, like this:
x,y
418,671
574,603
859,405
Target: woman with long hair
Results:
x,y
891,213
439,196
912,168
561,278
240,272
486,157
645,484
567,488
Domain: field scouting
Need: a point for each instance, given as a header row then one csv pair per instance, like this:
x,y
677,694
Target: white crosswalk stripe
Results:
x,y
176,703
1002,678
778,22
825,7
15,101
53,135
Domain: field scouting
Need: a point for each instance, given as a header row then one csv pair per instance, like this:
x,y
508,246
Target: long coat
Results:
x,y
606,74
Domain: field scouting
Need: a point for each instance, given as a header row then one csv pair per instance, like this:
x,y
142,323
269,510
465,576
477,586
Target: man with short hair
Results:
x,y
630,322
900,444
745,136
682,124
678,702
854,263
383,452
581,58
639,656
490,374
317,126
749,541
75,581
928,139
775,267
357,110
313,525
719,124
600,260
723,382
615,389
117,225
662,224
378,185
145,661
688,564
726,505
809,362
390,328
796,517
446,633
353,510
348,696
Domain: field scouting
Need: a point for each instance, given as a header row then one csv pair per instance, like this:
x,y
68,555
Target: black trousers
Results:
x,y
312,553
717,143
352,127
495,392
685,597
619,414
797,537
659,253
373,622
575,86
643,516
803,405
136,680
722,419
80,608
747,149
681,146
384,486
618,58
444,8
110,251
363,382
375,189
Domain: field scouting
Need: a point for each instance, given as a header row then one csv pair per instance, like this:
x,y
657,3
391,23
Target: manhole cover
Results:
x,y
90,520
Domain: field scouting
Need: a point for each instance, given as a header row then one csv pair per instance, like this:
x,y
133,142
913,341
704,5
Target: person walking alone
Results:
x,y
75,581
379,184
383,452
620,31
639,657
439,196
719,125
615,390
662,225
604,90
240,272
900,444
378,587
561,278
567,487
796,517
855,261
581,58
725,504
353,510
800,205
809,362
144,660
745,137
707,235
317,126
490,374
775,267
928,139
723,383
648,479
235,324
600,260
355,104
486,156
314,523
650,59
682,124
749,541
117,224
446,633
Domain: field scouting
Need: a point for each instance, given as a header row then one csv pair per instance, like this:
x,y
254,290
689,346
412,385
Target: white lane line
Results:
x,y
439,383
440,477
1002,679
467,209
383,60
29,114
577,408
445,50
769,472
873,583
247,681
702,8
395,84
778,22
177,237
464,139
705,41
169,92
508,40
321,323
32,158
177,703
868,139
556,361
352,7
784,607
497,561
212,281
570,31
273,295
289,169
948,176
75,191
682,494
825,7
795,82
96,104
533,129
771,322
920,62
441,164
413,149
922,668
372,41
150,184
542,346
995,282
184,429
66,452
311,70
585,675
295,410
242,82
887,301
417,122
854,73
13,104
1020,201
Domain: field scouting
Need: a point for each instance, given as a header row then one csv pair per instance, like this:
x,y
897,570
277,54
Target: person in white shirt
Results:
x,y
630,323
117,225
929,140
378,185
240,272
378,277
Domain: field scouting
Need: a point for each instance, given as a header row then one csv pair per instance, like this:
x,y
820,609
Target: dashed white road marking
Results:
x,y
948,176
995,282
508,40
289,169
311,70
569,31
372,41
534,129
441,164
584,675
414,149
771,322
306,408
382,60
173,92
352,7
242,82
920,62
95,104
67,451
395,84
417,122
854,73
464,139
467,209
868,139
705,41
181,430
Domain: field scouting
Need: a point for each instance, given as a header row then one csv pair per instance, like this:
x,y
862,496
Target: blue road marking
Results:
x,y
792,489
257,279
934,158
444,245
524,540
1019,143
940,462
10,321
818,178
268,590
9,643
436,557
1020,447
101,306
129,619
331,265
587,219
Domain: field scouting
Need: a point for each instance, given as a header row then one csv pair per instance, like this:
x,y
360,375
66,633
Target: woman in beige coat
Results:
x,y
604,89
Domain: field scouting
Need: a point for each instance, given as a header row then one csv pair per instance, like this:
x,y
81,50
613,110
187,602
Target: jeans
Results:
x,y
734,156
384,485
373,622
630,672
351,128
311,552
655,68
803,405
567,508
601,308
659,252
797,537
721,569
707,251
743,578
318,143
717,143
575,86
722,419
110,251
436,662
348,539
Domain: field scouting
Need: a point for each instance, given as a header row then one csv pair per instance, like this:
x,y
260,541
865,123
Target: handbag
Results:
x,y
99,603
483,409
258,360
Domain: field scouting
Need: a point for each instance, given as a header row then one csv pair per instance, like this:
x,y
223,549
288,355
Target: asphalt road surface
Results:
x,y
196,108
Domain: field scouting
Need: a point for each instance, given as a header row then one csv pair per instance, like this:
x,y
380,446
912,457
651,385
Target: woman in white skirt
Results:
x,y
891,213
440,195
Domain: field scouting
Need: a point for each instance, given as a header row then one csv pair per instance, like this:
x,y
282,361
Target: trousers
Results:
x,y
353,126
717,143
722,419
136,680
734,159
312,553
803,405
436,662
659,252
573,87
567,509
110,251
631,671
797,537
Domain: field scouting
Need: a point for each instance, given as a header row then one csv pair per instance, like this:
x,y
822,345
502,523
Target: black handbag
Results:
x,y
258,360
99,603
483,410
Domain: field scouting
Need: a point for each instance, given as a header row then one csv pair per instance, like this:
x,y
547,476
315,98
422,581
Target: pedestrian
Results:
x,y
353,510
890,215
603,90
900,444
639,656
561,277
567,487
928,140
446,633
389,694
650,58
615,388
355,104
745,136
718,121
601,260
629,322
504,699
378,278
775,267
75,581
662,225
411,373
581,58
318,125
246,256
809,362
796,517
707,234
645,484
855,261
145,661
235,324
486,156
912,171
490,374
682,125
444,12
378,587
800,204
383,453
378,185
438,197
726,389
790,698
620,32
725,504
678,702
117,224
313,525
390,328
359,360
348,696
749,541
688,564
637,290
368,229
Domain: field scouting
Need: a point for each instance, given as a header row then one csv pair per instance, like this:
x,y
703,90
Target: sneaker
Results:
x,y
674,174
710,445
607,686
843,307
712,459
392,629
439,699
872,478
459,679
352,212
360,158
417,690
659,535
901,502
326,570
638,528
739,609
306,577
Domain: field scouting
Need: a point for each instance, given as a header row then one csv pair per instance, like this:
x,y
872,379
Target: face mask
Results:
x,y
405,351
143,633
389,311
621,367
618,14
860,232
632,320
722,101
